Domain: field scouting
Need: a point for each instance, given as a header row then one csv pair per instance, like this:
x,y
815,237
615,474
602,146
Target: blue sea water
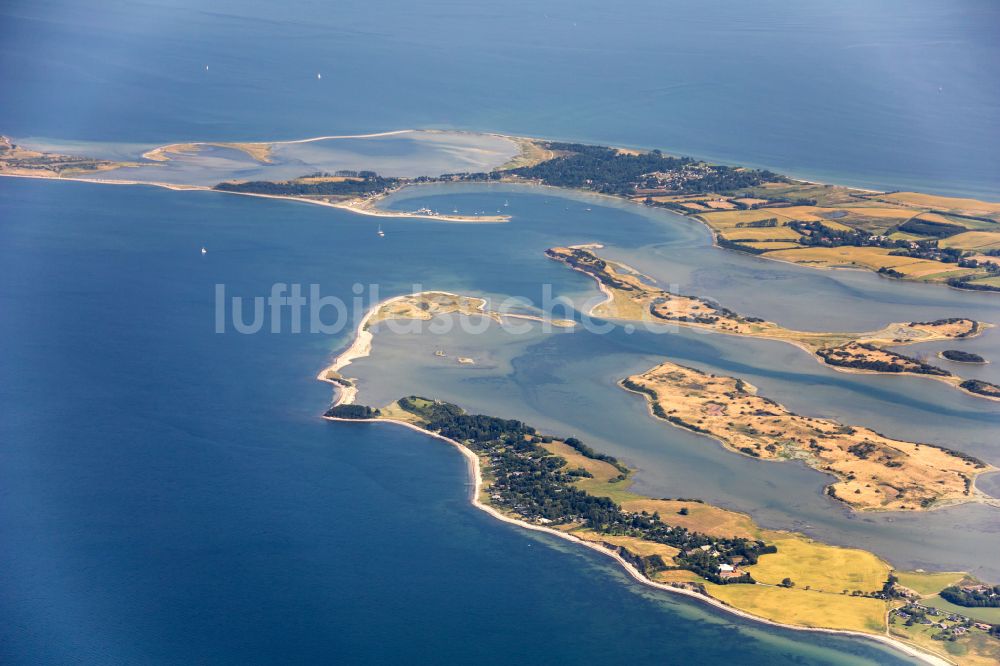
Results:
x,y
168,494
896,94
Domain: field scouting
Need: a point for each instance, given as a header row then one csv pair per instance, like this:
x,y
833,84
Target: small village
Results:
x,y
950,626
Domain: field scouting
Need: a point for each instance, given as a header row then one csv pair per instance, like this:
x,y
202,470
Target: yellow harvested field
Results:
x,y
953,328
749,201
805,608
934,217
801,213
764,245
602,471
871,211
973,240
835,225
677,576
675,198
868,257
943,203
728,219
761,233
983,257
820,566
924,583
862,257
945,275
926,269
704,518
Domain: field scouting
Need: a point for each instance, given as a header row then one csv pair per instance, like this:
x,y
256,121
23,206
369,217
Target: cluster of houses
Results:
x,y
951,623
675,180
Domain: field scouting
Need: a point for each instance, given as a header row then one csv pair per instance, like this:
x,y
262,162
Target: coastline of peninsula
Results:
x,y
898,235
642,568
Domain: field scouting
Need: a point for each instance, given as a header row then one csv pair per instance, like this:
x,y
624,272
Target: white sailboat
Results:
x,y
204,251
381,234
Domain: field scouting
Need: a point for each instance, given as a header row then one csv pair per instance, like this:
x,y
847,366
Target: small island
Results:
x,y
959,356
562,486
634,297
981,388
875,472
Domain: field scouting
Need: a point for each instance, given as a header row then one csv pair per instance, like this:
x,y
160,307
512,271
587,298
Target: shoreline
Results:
x,y
763,257
950,380
363,206
351,205
941,356
475,472
361,346
162,153
979,497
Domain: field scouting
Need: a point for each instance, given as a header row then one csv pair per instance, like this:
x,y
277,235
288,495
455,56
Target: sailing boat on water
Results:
x,y
381,234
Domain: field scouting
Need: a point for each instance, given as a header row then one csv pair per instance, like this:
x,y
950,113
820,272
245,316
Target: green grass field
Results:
x,y
821,566
927,583
990,615
992,281
973,240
